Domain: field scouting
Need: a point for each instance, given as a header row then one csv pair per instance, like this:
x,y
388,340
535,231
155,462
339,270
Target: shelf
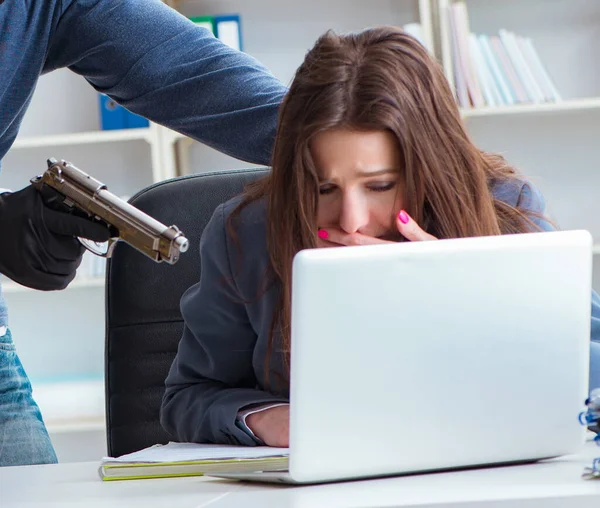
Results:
x,y
174,136
81,138
548,107
76,405
76,425
78,283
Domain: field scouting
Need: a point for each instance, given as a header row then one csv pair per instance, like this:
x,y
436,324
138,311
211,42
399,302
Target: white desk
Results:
x,y
551,484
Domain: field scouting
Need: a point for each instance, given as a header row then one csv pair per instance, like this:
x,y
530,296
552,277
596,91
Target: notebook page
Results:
x,y
187,452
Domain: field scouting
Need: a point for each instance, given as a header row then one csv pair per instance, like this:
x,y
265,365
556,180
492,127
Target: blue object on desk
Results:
x,y
591,418
114,116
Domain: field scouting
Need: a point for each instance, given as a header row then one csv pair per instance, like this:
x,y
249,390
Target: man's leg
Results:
x,y
23,436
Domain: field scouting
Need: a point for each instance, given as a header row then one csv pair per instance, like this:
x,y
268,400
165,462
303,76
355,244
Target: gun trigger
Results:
x,y
97,248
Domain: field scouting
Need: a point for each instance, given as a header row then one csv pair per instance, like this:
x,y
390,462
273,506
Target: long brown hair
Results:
x,y
378,79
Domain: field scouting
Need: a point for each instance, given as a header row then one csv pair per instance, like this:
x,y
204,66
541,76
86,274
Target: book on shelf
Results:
x,y
508,69
226,27
494,70
459,77
191,459
541,75
496,81
466,67
207,22
114,116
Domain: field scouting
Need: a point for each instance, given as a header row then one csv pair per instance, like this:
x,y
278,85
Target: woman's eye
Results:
x,y
382,187
326,189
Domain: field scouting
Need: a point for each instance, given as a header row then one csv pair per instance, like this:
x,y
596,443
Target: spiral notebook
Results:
x,y
191,459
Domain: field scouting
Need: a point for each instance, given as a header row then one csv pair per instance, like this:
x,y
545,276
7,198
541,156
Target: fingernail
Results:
x,y
403,216
323,234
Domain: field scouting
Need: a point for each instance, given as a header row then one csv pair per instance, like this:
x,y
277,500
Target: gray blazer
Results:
x,y
220,365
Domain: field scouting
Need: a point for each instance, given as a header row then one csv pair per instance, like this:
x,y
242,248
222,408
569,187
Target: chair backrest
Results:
x,y
143,321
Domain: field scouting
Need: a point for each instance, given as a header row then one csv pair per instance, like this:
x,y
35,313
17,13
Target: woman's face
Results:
x,y
360,184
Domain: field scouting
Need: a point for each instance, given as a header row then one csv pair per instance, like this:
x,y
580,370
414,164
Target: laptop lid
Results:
x,y
430,355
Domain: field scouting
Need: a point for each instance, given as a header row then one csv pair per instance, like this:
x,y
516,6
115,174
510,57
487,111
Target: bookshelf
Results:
x,y
562,34
160,140
81,138
554,143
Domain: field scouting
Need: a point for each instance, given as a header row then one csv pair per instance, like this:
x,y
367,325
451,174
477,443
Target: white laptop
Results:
x,y
428,356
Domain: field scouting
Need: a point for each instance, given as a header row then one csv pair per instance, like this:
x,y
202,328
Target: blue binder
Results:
x,y
114,116
133,121
228,28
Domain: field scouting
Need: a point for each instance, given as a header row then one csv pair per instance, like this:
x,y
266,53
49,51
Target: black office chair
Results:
x,y
143,321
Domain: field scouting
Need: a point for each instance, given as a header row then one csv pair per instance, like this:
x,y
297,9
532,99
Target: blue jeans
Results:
x,y
23,435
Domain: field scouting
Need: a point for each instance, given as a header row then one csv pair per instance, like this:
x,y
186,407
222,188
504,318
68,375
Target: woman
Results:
x,y
370,149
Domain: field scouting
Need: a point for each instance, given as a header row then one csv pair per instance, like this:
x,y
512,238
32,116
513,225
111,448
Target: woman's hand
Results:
x,y
408,228
271,426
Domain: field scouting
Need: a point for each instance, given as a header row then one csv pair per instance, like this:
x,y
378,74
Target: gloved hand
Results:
x,y
38,245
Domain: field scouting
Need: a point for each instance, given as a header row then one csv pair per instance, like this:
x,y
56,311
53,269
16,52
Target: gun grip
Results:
x,y
52,198
56,201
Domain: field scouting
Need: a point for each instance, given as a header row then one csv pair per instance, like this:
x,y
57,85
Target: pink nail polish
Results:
x,y
323,234
403,216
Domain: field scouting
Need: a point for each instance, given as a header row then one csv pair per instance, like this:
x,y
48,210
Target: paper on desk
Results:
x,y
189,452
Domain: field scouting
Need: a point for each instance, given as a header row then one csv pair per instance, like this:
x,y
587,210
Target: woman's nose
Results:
x,y
353,215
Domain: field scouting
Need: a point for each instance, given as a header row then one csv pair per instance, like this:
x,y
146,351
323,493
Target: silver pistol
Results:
x,y
77,192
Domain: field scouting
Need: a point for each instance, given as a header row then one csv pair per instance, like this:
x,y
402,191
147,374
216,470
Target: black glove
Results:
x,y
38,245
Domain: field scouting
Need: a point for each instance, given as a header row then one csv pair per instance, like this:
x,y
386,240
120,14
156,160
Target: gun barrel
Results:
x,y
155,239
183,243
